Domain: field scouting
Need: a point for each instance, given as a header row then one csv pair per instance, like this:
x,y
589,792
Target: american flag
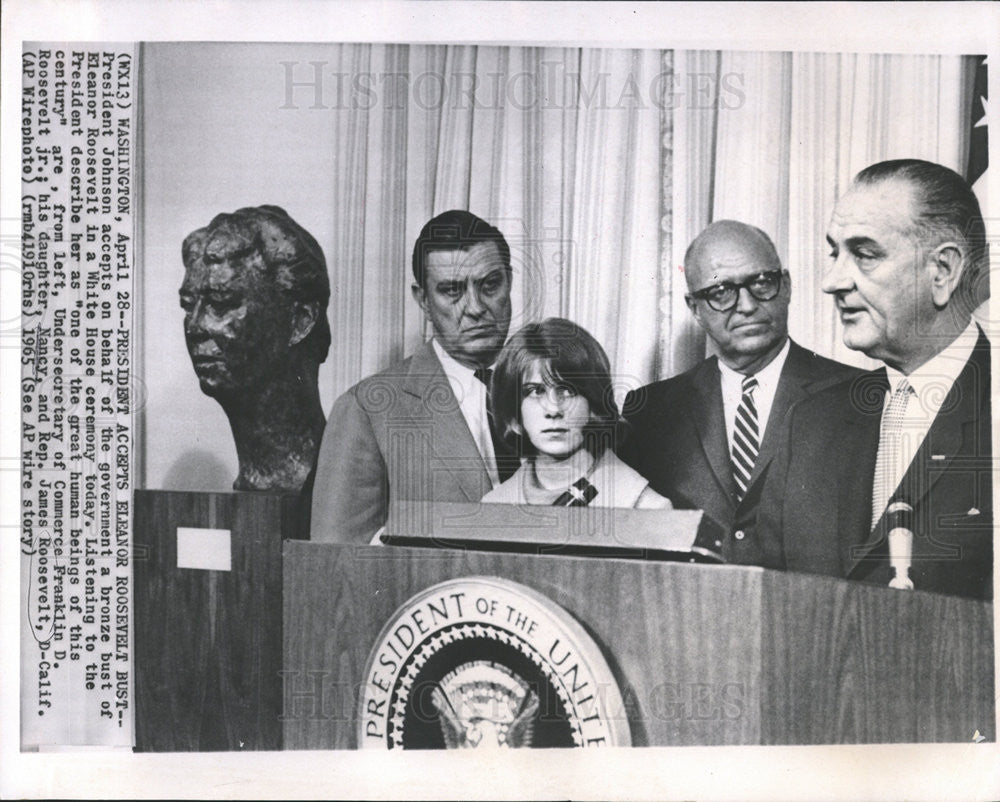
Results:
x,y
975,172
978,150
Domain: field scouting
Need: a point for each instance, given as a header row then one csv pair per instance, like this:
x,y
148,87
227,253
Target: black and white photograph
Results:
x,y
448,376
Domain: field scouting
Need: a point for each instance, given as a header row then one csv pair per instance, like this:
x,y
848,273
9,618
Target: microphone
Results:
x,y
899,522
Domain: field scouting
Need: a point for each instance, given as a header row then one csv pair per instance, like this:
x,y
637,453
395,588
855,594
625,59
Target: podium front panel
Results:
x,y
683,645
850,662
703,655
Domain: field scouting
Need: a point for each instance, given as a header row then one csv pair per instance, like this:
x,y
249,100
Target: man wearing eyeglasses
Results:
x,y
703,438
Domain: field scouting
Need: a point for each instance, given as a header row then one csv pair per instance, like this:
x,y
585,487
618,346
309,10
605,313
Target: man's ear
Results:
x,y
946,263
304,317
420,296
692,304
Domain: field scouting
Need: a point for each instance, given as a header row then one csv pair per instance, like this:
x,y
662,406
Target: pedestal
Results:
x,y
208,638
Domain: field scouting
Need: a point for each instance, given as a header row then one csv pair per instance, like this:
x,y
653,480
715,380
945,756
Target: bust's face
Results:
x,y
237,324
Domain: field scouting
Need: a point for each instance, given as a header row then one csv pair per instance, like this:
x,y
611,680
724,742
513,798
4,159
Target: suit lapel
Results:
x,y
794,377
856,451
709,421
951,432
453,447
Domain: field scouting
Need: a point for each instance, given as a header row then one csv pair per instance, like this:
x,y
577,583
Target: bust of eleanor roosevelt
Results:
x,y
254,296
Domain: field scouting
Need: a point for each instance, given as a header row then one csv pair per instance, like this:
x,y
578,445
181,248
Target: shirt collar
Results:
x,y
769,374
454,369
940,369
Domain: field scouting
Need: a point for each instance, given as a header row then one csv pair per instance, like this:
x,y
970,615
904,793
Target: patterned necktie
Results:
x,y
579,494
505,460
746,438
886,462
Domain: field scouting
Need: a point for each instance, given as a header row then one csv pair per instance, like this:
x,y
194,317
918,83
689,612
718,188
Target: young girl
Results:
x,y
553,401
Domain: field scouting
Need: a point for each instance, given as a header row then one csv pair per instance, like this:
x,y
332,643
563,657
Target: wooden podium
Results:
x,y
703,654
270,651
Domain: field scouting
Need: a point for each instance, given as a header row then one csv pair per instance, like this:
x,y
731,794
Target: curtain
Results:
x,y
562,149
599,165
785,135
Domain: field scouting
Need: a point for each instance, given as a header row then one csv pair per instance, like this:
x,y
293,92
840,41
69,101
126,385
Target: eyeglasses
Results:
x,y
723,296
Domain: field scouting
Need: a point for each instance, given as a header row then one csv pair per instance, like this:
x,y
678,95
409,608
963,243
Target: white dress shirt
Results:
x,y
471,396
931,383
763,395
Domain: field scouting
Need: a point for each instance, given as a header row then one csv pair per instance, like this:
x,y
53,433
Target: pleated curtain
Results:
x,y
599,165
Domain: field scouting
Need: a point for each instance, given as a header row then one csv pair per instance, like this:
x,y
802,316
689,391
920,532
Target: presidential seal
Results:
x,y
482,662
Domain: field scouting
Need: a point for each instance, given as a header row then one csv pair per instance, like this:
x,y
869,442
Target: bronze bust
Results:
x,y
254,295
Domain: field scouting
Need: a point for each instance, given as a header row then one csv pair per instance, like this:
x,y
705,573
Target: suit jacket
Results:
x,y
399,434
815,509
676,437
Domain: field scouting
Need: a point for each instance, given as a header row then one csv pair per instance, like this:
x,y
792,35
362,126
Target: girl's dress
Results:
x,y
609,483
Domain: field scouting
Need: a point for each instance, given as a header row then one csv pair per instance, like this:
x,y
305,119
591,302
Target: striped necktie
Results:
x,y
746,438
887,458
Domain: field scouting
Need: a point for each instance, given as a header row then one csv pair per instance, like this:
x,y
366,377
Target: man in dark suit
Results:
x,y
421,430
908,257
705,438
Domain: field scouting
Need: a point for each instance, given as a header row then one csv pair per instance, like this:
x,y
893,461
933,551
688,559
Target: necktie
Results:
x,y
579,494
506,462
887,459
746,438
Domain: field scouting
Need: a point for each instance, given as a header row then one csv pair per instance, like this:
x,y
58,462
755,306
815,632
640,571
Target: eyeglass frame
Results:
x,y
702,294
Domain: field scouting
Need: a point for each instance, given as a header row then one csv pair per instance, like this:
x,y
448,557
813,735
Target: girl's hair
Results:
x,y
567,355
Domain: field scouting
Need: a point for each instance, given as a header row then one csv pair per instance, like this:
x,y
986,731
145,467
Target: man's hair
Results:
x,y
454,230
946,208
568,355
291,258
